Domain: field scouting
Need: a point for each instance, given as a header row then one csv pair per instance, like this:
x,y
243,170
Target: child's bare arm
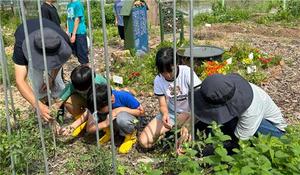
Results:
x,y
91,126
135,112
163,107
84,117
57,104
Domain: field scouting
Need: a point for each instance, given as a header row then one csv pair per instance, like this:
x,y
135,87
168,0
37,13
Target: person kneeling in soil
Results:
x,y
164,90
125,109
242,108
74,97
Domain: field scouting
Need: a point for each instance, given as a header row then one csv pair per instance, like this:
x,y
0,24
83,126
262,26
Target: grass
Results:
x,y
25,146
11,70
111,31
259,13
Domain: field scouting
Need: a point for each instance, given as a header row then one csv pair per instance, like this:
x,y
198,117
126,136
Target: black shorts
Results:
x,y
121,31
80,48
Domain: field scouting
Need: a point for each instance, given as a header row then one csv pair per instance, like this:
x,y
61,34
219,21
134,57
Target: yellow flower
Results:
x,y
247,61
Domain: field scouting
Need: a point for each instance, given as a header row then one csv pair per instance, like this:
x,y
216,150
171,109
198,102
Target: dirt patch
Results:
x,y
254,29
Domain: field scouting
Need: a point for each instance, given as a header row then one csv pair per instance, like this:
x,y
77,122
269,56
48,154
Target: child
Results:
x,y
164,89
74,95
125,110
77,30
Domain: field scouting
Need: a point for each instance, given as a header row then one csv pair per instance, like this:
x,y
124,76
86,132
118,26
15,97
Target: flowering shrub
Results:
x,y
242,59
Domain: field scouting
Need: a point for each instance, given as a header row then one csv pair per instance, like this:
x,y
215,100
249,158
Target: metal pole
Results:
x,y
9,88
223,3
175,69
284,4
52,125
2,60
34,90
93,71
191,14
10,94
108,86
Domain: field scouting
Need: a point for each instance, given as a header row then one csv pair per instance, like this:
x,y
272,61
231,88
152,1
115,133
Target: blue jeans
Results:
x,y
267,127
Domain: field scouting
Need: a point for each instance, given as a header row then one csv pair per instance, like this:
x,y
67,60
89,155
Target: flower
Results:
x,y
134,75
213,67
247,61
265,60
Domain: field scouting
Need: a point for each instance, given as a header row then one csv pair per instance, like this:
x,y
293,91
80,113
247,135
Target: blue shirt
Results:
x,y
75,10
124,99
117,8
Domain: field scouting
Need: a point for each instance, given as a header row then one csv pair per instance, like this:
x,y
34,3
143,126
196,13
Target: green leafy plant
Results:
x,y
25,146
243,57
96,14
246,11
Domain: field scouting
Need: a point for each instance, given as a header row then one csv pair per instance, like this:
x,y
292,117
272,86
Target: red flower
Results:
x,y
134,75
265,60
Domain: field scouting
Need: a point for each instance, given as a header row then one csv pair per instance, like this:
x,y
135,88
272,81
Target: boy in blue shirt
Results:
x,y
76,29
125,110
74,96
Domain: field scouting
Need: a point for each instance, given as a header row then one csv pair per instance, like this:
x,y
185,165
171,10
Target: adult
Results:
x,y
243,108
119,22
49,11
58,51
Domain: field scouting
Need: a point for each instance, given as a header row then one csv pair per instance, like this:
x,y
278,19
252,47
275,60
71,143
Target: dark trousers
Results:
x,y
121,30
80,48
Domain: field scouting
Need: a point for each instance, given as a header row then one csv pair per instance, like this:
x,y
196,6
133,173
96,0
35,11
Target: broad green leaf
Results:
x,y
211,160
262,148
280,154
227,159
221,151
220,167
247,170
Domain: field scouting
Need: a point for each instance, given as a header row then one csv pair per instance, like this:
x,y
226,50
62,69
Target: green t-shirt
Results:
x,y
69,89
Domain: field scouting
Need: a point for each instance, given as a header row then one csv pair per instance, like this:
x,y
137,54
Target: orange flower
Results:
x,y
213,67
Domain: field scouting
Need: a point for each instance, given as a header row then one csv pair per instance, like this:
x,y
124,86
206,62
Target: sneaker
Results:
x,y
106,137
129,141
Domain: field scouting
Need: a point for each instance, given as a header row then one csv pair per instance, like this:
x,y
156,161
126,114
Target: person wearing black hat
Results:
x,y
243,108
58,51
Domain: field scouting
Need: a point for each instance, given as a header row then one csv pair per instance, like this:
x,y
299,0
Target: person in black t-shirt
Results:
x,y
58,51
49,11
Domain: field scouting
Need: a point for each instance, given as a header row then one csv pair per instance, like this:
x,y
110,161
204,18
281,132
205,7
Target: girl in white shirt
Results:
x,y
164,90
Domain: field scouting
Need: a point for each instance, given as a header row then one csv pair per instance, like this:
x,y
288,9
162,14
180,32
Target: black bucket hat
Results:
x,y
221,98
58,51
